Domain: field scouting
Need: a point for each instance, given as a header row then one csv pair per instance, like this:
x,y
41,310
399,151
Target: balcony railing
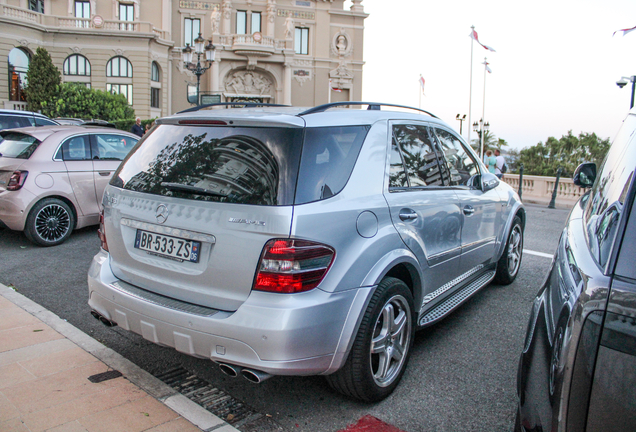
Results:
x,y
20,14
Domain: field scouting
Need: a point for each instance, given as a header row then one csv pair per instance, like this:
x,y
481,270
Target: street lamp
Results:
x,y
199,50
461,120
623,82
481,128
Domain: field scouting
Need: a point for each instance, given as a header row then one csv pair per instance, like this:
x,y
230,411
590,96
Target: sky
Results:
x,y
554,70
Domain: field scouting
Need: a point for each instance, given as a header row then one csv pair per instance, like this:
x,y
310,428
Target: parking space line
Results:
x,y
540,254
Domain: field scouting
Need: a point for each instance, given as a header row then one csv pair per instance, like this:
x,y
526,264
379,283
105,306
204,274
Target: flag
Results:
x,y
485,63
625,31
422,82
333,88
473,35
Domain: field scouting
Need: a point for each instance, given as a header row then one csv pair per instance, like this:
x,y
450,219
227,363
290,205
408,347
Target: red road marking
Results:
x,y
369,423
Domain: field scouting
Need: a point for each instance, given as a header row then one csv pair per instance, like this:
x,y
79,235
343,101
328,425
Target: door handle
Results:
x,y
104,173
469,210
407,215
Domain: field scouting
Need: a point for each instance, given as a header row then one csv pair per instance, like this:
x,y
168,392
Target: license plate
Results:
x,y
167,246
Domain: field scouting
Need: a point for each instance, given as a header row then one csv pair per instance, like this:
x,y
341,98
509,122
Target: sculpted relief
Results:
x,y
248,82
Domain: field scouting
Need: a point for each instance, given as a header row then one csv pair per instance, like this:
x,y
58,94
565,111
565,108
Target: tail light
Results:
x,y
101,232
17,179
292,266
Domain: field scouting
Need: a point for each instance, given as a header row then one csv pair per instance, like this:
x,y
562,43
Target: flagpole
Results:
x,y
483,110
470,94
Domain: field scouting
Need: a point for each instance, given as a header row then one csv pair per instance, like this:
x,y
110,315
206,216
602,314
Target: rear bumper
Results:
x,y
300,334
14,208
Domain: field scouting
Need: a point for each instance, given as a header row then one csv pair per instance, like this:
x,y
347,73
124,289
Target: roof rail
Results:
x,y
372,106
239,104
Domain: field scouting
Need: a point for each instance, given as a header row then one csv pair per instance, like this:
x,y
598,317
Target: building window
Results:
x,y
77,65
154,73
256,22
18,67
192,28
301,43
125,89
155,97
119,67
241,22
126,13
36,5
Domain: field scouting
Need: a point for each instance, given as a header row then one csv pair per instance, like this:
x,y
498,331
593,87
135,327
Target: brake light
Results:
x,y
17,179
101,233
292,266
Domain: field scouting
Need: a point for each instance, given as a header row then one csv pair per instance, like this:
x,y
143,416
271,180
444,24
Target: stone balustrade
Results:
x,y
538,189
17,13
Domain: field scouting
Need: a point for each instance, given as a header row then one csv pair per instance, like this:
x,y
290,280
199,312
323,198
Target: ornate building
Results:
x,y
276,51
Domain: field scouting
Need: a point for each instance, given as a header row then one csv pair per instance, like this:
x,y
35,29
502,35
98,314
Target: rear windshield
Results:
x,y
225,164
258,166
17,145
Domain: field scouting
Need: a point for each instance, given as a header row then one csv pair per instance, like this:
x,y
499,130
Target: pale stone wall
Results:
x,y
266,69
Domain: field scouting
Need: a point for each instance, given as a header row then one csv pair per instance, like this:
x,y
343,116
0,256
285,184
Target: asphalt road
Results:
x,y
461,375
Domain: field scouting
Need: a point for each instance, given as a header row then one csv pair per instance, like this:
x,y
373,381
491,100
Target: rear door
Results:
x,y
425,212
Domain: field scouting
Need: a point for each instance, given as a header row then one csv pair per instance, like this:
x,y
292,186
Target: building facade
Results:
x,y
294,52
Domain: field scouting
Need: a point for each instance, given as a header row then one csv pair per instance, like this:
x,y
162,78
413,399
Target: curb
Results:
x,y
183,406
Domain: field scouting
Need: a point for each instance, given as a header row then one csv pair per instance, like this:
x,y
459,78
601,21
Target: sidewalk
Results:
x,y
53,377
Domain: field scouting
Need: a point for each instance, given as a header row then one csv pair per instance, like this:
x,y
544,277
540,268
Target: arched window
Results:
x,y
18,67
154,73
119,67
77,64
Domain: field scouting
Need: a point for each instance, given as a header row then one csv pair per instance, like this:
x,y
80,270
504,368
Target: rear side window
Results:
x,y
43,122
329,154
17,145
240,165
75,149
419,156
11,122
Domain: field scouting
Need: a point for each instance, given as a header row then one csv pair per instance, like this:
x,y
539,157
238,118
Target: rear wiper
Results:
x,y
191,189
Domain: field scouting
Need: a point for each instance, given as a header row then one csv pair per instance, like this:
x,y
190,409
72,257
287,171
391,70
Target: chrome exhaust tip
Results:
x,y
229,370
255,376
103,319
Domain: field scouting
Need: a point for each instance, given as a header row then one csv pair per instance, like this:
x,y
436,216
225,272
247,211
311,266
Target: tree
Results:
x,y
567,152
43,81
78,101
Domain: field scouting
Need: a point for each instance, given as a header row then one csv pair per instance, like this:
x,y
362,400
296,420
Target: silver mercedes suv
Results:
x,y
289,241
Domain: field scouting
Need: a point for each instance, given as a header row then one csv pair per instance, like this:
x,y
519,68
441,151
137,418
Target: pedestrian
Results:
x,y
137,129
499,172
490,161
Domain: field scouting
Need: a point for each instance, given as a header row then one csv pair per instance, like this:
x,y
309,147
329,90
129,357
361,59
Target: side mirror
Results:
x,y
585,175
489,181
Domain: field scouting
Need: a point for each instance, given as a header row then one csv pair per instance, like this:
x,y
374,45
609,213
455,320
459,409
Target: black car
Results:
x,y
577,371
10,119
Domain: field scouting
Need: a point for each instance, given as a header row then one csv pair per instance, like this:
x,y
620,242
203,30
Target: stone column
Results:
x,y
226,10
214,72
287,84
271,18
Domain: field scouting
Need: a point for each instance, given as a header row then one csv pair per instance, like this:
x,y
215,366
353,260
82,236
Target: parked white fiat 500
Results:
x,y
52,177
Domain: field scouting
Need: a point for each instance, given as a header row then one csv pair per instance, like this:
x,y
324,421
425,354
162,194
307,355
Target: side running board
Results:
x,y
452,302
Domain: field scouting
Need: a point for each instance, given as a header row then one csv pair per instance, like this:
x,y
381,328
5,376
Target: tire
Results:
x,y
382,346
50,222
510,261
